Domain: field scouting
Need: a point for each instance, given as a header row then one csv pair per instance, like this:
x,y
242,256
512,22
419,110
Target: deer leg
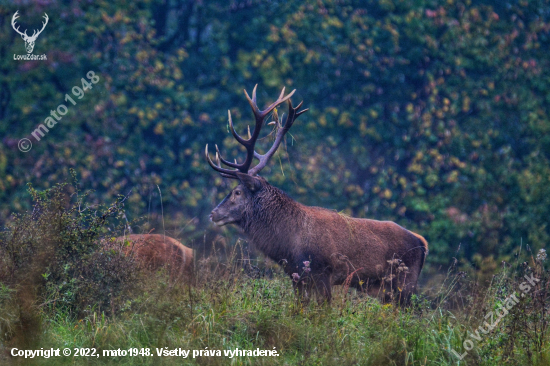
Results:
x,y
303,290
370,287
373,291
409,288
322,285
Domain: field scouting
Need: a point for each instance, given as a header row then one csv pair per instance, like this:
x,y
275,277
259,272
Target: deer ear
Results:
x,y
250,182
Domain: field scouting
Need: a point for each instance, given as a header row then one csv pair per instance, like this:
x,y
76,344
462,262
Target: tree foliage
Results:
x,y
431,113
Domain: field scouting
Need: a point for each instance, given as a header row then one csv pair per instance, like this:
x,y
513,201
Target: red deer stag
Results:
x,y
319,247
154,251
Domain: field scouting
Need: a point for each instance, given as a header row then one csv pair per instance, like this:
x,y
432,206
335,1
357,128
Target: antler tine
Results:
x,y
226,162
259,117
252,101
227,173
233,132
292,115
253,93
261,114
283,93
250,143
228,176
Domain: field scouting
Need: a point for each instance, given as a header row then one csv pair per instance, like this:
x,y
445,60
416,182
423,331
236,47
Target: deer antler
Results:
x,y
251,142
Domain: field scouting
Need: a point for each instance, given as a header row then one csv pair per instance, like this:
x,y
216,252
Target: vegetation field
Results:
x,y
61,289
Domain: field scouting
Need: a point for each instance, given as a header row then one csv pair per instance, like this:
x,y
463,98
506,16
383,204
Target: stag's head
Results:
x,y
29,40
233,207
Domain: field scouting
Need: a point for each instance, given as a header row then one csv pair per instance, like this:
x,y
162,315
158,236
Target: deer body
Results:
x,y
336,246
318,247
155,251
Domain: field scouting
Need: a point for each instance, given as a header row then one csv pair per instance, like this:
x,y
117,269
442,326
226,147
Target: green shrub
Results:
x,y
53,258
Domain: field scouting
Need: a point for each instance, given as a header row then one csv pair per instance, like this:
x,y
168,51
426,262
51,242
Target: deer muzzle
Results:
x,y
217,218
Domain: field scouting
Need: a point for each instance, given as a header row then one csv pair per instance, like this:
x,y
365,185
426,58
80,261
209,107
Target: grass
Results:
x,y
237,302
226,309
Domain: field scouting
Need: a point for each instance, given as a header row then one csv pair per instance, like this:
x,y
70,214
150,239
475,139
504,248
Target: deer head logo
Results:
x,y
29,41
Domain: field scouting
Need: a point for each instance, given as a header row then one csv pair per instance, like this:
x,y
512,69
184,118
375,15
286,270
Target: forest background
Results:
x,y
431,113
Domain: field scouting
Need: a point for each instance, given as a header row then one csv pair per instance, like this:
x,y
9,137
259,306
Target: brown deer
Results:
x,y
318,247
155,251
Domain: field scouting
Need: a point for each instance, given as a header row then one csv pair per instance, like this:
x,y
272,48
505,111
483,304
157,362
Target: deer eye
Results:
x,y
237,193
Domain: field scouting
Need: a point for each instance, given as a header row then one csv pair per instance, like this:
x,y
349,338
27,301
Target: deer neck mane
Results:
x,y
271,222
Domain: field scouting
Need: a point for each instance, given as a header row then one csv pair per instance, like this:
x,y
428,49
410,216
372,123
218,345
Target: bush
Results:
x,y
53,258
